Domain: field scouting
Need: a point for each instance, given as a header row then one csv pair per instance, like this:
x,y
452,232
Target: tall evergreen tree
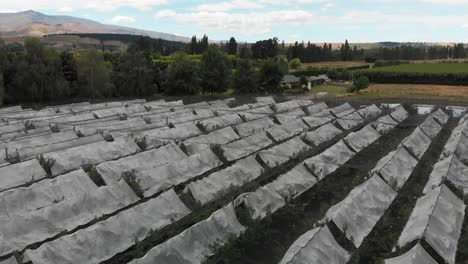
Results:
x,y
182,76
203,45
270,76
94,74
231,46
193,46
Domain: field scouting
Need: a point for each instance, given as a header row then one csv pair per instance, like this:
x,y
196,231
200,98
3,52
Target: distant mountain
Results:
x,y
31,23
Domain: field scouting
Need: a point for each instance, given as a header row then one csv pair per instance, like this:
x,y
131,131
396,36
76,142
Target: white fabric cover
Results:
x,y
265,100
20,173
73,158
203,142
11,260
450,169
23,230
396,167
154,180
437,218
431,127
111,171
350,121
48,192
178,133
316,108
246,146
11,128
283,152
196,243
39,140
457,145
218,122
322,134
221,182
285,106
440,116
255,126
36,151
416,255
261,202
330,160
362,138
316,246
317,121
104,239
272,196
399,114
294,182
342,110
358,213
287,130
417,143
370,111
290,116
384,124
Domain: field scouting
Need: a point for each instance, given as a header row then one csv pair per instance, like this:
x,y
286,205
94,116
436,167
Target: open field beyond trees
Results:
x,y
425,68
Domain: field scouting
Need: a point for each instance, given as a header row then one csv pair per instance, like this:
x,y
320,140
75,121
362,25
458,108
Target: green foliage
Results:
x,y
132,181
361,82
46,164
270,76
215,71
295,63
94,74
265,49
231,47
135,75
2,89
245,78
182,76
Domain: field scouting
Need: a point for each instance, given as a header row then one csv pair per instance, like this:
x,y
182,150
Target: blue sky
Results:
x,y
289,20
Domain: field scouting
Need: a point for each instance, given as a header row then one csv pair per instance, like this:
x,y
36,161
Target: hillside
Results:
x,y
15,26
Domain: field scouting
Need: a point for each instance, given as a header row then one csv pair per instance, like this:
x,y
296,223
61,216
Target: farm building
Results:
x,y
290,80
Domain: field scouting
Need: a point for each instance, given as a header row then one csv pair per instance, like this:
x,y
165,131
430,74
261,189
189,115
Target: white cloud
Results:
x,y
65,9
228,5
103,5
445,2
328,6
122,20
247,24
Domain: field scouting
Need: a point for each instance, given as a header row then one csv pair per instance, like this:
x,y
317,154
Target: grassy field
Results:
x,y
331,64
450,94
426,68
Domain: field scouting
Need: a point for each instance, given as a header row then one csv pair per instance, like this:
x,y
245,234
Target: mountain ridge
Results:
x,y
35,24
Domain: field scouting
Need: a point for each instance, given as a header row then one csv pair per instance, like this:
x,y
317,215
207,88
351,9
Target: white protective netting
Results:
x,y
104,239
154,180
218,183
342,110
11,260
283,152
416,255
287,130
246,146
316,246
20,173
36,226
330,160
417,143
396,167
285,106
384,124
362,138
449,169
358,213
437,218
322,134
196,243
350,121
20,201
316,108
399,114
255,126
370,111
94,153
219,137
218,122
111,171
272,196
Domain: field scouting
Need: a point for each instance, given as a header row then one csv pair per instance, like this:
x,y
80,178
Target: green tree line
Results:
x,y
34,73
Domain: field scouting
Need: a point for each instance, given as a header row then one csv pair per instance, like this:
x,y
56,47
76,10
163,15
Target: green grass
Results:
x,y
425,68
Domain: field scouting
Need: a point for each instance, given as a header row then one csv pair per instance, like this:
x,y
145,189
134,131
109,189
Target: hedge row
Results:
x,y
415,78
